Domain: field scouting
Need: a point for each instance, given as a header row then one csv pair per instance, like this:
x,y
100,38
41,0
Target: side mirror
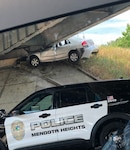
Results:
x,y
2,113
16,113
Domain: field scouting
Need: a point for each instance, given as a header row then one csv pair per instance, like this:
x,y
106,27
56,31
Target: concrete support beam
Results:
x,y
26,36
49,32
80,22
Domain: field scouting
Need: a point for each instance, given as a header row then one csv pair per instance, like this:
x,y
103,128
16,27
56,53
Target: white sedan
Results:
x,y
71,49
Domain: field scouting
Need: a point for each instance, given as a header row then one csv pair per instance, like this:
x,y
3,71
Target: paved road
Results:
x,y
20,81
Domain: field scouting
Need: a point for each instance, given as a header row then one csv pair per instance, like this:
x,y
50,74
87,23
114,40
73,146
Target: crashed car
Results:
x,y
71,49
88,113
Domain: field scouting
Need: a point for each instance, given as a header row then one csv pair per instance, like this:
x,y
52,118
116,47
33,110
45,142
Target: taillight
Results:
x,y
84,44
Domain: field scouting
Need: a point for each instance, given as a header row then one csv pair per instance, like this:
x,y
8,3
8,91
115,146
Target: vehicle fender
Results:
x,y
74,50
33,55
105,120
30,56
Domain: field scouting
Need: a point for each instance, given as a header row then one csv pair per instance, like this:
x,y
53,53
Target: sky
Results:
x,y
109,30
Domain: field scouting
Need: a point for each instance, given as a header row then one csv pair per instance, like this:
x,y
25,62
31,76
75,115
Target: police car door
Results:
x,y
34,127
76,115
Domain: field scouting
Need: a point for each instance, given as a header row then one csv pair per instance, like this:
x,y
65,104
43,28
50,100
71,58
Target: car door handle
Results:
x,y
96,106
44,115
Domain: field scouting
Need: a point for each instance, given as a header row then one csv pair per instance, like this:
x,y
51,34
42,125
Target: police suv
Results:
x,y
79,113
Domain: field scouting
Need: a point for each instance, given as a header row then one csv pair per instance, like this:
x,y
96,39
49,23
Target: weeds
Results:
x,y
109,63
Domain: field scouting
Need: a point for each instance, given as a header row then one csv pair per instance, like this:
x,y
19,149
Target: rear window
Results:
x,y
110,88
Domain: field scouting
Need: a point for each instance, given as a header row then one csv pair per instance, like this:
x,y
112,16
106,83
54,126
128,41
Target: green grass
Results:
x,y
109,63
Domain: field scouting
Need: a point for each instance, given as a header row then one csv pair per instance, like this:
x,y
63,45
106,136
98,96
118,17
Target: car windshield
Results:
x,y
38,103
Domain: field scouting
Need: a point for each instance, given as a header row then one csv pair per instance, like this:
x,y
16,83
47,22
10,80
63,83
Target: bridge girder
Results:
x,y
58,29
74,24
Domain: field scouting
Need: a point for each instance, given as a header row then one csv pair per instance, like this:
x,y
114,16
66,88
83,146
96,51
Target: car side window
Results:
x,y
63,43
45,103
70,97
67,42
92,96
38,103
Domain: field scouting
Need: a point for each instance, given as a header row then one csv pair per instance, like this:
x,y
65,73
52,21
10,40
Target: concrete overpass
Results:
x,y
40,35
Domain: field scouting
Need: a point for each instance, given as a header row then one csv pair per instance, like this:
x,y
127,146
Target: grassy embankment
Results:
x,y
109,63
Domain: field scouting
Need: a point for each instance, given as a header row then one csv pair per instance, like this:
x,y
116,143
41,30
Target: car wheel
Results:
x,y
111,130
2,146
34,61
74,56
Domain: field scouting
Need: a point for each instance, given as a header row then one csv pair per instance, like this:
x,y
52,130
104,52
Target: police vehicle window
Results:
x,y
100,90
39,103
115,90
92,96
71,97
46,103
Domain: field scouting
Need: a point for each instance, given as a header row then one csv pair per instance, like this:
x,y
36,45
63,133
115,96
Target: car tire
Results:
x,y
109,130
2,146
74,56
34,61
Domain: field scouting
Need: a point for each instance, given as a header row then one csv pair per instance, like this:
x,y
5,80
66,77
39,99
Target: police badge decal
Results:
x,y
18,130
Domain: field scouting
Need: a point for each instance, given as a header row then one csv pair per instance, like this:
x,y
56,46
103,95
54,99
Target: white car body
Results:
x,y
59,51
72,49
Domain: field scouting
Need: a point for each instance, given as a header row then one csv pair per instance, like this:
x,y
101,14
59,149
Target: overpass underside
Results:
x,y
41,35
